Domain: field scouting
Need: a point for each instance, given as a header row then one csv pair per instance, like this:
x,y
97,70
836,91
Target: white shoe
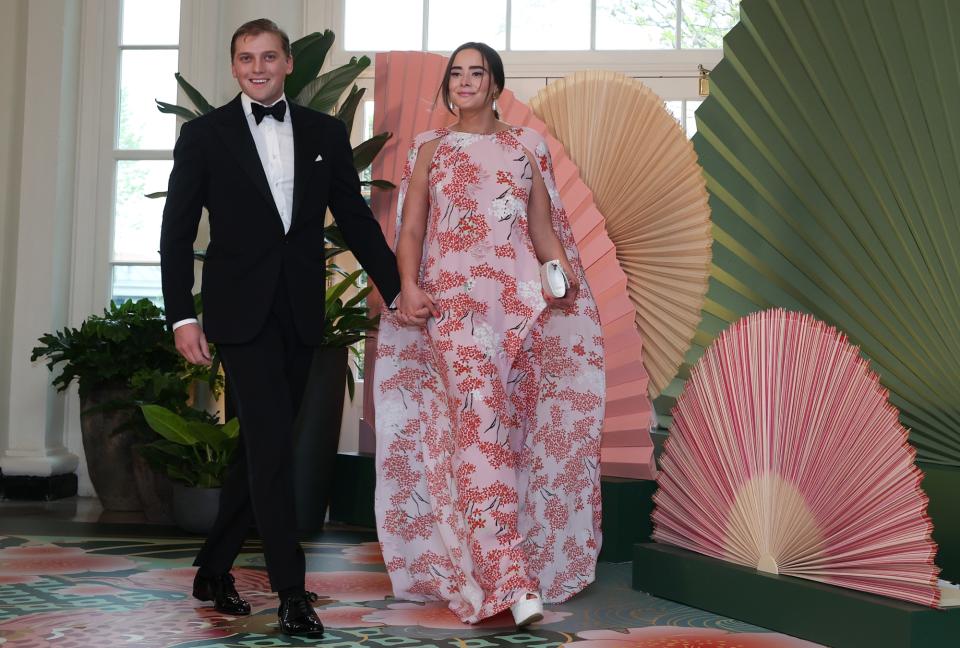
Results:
x,y
527,610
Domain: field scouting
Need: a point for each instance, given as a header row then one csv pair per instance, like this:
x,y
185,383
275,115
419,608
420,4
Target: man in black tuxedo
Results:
x,y
266,170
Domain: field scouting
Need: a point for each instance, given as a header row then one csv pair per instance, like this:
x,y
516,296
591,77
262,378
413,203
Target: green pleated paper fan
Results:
x,y
831,147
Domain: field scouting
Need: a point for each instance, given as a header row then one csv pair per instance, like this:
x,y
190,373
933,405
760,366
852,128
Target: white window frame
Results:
x,y
677,69
98,153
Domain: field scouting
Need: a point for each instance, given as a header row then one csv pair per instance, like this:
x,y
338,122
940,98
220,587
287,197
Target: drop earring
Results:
x,y
494,104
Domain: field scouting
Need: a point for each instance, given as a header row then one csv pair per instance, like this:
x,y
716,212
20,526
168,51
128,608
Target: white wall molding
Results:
x,y
12,77
35,438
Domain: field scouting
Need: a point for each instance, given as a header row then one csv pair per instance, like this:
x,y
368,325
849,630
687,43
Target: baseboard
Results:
x,y
29,487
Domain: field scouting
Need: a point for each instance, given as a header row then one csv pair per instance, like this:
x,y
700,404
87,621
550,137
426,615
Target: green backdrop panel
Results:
x,y
833,164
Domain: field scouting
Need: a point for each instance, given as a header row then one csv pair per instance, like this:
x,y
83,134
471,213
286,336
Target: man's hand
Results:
x,y
414,306
192,344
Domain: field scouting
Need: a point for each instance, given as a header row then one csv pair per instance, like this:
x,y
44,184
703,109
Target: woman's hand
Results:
x,y
573,290
414,306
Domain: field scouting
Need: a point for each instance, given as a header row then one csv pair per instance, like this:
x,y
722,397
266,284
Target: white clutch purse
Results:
x,y
554,279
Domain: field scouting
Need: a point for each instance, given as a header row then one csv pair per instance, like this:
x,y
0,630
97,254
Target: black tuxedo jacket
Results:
x,y
215,165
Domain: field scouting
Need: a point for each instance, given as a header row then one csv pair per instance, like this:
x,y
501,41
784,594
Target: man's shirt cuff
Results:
x,y
184,322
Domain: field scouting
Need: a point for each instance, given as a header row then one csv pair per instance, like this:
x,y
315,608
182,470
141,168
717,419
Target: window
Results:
x,y
683,111
538,25
148,51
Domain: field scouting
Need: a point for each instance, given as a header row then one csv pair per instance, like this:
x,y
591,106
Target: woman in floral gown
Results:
x,y
489,392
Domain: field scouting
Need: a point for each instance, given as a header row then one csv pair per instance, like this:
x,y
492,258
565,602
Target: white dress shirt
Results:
x,y
274,141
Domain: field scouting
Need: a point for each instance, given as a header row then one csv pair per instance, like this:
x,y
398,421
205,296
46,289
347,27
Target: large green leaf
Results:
x,y
308,58
176,474
364,152
203,106
167,424
323,93
206,434
231,429
333,293
359,297
334,236
348,108
172,109
297,46
377,184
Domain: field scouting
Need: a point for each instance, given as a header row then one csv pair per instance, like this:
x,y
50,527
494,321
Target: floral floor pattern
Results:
x,y
69,592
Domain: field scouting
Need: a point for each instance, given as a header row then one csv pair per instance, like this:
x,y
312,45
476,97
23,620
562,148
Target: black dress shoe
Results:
x,y
221,591
297,616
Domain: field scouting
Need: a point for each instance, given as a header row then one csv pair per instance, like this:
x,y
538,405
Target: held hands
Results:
x,y
192,344
414,306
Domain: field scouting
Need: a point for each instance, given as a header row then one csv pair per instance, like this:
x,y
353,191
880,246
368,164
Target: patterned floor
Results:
x,y
70,592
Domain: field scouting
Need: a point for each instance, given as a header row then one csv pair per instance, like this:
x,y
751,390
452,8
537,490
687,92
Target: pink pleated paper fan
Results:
x,y
407,104
785,455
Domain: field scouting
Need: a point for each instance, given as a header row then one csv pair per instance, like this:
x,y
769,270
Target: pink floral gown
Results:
x,y
488,421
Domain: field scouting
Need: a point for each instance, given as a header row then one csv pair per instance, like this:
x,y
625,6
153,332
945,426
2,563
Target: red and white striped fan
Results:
x,y
407,104
785,455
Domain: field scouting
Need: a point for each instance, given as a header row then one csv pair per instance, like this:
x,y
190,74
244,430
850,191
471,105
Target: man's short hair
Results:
x,y
257,27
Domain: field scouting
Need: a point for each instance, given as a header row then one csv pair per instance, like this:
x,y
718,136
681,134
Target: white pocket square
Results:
x,y
319,158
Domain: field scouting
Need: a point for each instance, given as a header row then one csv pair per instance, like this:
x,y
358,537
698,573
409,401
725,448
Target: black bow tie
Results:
x,y
277,111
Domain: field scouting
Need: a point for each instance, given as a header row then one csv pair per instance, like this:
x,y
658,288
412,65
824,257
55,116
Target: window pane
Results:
x,y
136,225
636,24
691,122
367,119
704,22
550,24
675,108
136,282
448,29
379,25
146,75
151,22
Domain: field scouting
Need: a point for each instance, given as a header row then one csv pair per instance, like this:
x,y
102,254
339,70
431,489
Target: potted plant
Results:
x,y
194,451
104,355
155,386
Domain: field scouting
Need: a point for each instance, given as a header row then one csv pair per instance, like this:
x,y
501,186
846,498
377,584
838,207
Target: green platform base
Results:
x,y
829,615
352,498
942,485
627,504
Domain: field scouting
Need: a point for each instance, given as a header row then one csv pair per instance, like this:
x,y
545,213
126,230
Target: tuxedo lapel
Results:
x,y
235,133
303,158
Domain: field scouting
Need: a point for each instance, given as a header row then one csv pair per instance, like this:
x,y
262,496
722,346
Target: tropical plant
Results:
x,y
345,322
129,346
194,450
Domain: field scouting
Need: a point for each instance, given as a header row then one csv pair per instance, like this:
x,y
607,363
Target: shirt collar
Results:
x,y
247,101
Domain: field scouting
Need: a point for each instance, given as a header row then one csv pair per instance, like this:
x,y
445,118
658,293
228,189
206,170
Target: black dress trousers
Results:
x,y
267,377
